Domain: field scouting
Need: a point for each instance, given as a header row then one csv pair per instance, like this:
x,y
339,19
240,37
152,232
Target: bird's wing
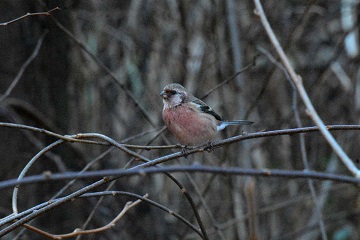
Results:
x,y
205,108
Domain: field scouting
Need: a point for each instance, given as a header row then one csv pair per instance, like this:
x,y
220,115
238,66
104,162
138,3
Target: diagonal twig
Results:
x,y
29,15
303,94
23,67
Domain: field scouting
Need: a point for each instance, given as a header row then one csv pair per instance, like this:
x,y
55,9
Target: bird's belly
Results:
x,y
190,127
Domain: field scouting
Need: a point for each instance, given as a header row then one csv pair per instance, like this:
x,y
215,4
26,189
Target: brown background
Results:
x,y
148,44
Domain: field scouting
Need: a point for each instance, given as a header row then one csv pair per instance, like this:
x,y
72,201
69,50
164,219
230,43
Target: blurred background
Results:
x,y
101,67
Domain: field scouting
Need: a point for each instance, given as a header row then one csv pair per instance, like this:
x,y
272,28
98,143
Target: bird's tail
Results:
x,y
224,124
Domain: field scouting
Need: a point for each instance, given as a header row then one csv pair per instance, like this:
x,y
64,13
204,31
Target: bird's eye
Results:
x,y
172,92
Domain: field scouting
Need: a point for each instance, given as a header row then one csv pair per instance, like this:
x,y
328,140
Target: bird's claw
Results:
x,y
184,151
209,147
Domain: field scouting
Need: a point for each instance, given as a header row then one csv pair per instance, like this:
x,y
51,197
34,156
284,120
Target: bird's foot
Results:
x,y
185,151
209,147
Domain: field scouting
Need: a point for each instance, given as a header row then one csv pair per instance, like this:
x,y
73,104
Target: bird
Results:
x,y
189,119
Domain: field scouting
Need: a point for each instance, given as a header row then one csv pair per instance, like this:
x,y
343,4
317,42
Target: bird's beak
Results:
x,y
164,95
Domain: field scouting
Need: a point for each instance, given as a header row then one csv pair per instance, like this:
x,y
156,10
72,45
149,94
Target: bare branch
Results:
x,y
26,168
117,173
77,232
107,70
229,79
300,87
23,68
48,13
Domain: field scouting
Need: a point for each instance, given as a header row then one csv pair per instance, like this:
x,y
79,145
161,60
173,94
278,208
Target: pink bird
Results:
x,y
189,119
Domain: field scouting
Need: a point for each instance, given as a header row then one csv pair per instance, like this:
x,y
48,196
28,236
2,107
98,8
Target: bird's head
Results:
x,y
173,95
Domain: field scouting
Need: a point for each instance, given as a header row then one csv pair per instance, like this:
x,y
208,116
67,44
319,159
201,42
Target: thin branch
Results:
x,y
73,138
48,13
187,196
68,185
230,78
107,70
12,217
52,205
301,138
232,140
139,169
48,148
117,173
202,202
113,193
26,168
23,67
126,208
147,200
300,87
111,142
68,138
157,131
217,144
78,232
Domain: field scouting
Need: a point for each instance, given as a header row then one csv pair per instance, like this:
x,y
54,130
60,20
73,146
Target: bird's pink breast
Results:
x,y
190,127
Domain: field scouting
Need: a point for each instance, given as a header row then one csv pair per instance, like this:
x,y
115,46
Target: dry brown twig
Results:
x,y
78,232
297,80
48,13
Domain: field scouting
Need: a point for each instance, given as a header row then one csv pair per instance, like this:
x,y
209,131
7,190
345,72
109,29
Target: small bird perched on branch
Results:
x,y
190,119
